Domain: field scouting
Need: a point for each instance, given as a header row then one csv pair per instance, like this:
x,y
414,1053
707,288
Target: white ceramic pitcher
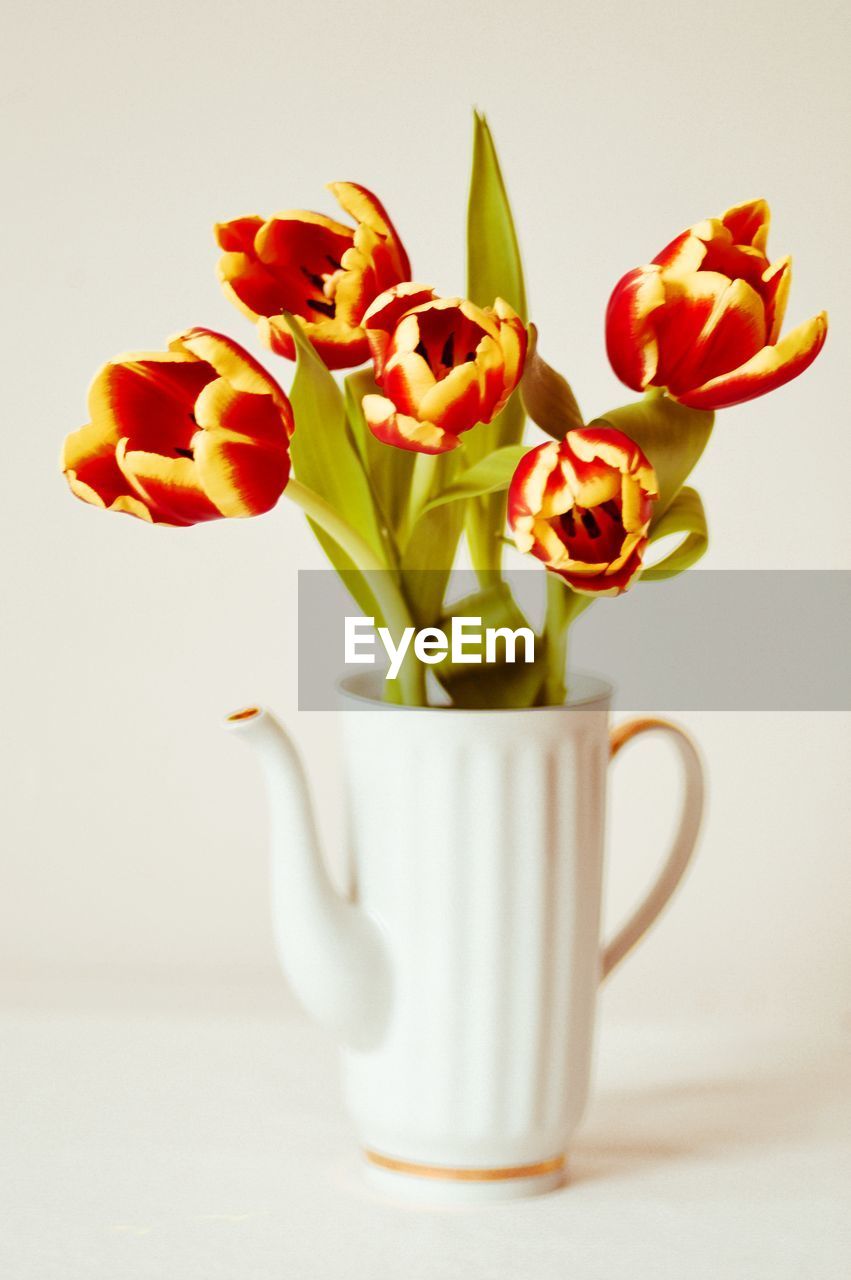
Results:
x,y
461,978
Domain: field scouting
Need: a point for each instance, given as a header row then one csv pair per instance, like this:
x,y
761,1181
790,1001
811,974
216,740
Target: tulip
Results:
x,y
322,272
583,506
193,433
703,319
443,365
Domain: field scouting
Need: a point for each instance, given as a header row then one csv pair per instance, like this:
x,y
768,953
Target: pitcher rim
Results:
x,y
598,692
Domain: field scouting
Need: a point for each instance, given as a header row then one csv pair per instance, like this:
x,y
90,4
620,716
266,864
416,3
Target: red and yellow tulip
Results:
x,y
703,319
443,365
324,273
193,433
582,505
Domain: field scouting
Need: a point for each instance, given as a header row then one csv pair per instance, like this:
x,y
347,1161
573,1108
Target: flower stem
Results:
x,y
378,577
422,482
563,606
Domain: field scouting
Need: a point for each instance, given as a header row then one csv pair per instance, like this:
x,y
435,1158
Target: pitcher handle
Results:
x,y
681,850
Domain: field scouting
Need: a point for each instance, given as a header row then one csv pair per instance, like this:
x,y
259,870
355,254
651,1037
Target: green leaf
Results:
x,y
324,458
388,470
501,683
490,475
672,436
428,558
684,515
494,270
502,686
493,255
547,396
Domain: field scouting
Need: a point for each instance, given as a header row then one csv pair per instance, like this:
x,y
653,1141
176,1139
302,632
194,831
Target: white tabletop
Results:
x,y
193,1134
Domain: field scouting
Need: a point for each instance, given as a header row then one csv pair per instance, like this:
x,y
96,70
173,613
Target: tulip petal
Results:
x,y
607,584
733,244
362,205
238,235
103,482
733,331
550,548
297,238
603,444
690,301
88,446
374,269
274,333
256,290
687,251
737,262
131,506
407,338
254,417
748,223
513,340
775,293
250,288
770,368
526,493
242,477
636,504
403,431
124,502
454,403
596,483
88,462
407,380
481,317
169,486
336,344
149,400
304,253
630,334
232,362
383,315
248,283
494,387
358,281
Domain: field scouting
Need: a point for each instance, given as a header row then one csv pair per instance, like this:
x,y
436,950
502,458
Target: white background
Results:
x,y
133,831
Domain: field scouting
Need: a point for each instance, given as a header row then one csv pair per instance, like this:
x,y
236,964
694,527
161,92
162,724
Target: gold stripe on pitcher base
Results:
x,y
554,1165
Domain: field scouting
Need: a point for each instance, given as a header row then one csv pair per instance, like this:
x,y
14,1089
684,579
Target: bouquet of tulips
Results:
x,y
424,442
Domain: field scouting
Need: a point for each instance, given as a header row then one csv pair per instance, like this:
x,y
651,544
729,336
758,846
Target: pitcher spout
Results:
x,y
332,953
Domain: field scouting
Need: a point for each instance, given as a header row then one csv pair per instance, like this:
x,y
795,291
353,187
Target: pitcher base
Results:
x,y
440,1184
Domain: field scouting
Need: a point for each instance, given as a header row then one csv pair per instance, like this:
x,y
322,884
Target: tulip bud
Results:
x,y
703,319
443,364
194,433
321,271
582,505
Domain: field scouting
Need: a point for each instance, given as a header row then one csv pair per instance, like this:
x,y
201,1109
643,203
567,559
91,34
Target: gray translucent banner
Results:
x,y
707,640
